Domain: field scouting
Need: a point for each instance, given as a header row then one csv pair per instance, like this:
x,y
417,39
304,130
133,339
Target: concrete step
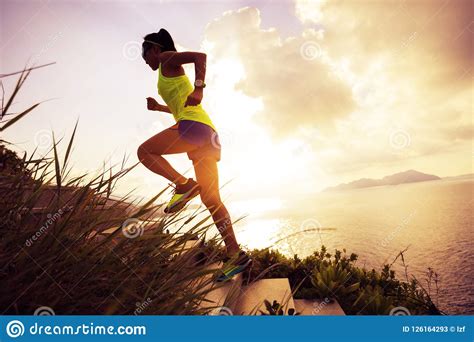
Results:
x,y
252,297
222,296
323,307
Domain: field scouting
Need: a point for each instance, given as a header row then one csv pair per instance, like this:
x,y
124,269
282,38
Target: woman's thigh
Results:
x,y
168,141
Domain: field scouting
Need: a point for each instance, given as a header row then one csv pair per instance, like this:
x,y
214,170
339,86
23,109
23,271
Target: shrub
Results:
x,y
358,290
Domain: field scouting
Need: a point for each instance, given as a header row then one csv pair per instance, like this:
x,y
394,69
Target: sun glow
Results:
x,y
258,233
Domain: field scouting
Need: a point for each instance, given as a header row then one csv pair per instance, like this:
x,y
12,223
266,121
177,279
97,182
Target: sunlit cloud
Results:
x,y
360,89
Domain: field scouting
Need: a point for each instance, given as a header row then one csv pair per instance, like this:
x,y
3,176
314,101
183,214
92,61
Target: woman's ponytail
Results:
x,y
166,40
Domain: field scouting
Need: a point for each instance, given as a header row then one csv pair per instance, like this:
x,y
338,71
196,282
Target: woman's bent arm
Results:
x,y
163,108
179,58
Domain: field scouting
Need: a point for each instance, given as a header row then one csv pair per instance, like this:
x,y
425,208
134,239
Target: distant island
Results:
x,y
410,176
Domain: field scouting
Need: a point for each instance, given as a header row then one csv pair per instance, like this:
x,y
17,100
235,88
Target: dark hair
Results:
x,y
162,38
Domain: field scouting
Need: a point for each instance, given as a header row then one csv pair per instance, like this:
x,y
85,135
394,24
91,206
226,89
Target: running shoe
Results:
x,y
183,193
233,266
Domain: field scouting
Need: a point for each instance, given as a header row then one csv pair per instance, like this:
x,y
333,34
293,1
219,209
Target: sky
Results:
x,y
305,94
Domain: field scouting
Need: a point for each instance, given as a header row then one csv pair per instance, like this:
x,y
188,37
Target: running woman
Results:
x,y
193,133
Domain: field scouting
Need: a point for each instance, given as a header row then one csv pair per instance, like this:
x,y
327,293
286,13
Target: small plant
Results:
x,y
373,301
276,309
333,281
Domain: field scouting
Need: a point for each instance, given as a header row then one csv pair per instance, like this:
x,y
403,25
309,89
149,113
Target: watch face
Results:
x,y
199,83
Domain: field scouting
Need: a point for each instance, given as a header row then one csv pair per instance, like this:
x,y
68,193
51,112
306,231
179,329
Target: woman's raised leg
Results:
x,y
166,142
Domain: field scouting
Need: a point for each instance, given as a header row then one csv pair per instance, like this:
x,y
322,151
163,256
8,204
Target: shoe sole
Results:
x,y
182,202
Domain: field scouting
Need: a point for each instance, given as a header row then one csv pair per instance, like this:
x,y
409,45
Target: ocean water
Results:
x,y
434,220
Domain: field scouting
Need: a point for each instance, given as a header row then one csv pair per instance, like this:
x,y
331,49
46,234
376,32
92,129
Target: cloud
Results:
x,y
309,10
430,42
296,86
358,74
410,64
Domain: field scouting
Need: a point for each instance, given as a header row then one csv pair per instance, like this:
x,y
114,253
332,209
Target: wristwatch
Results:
x,y
199,84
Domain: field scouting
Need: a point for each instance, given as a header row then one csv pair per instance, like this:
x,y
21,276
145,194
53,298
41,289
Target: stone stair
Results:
x,y
252,296
223,297
234,298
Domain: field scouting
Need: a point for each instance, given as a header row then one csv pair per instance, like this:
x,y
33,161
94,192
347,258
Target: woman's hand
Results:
x,y
152,104
194,98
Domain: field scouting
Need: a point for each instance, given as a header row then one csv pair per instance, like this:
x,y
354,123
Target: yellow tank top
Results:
x,y
174,91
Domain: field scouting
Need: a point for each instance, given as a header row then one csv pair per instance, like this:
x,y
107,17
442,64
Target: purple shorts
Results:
x,y
201,135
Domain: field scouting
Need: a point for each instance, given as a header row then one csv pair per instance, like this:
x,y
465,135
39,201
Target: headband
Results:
x,y
155,43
